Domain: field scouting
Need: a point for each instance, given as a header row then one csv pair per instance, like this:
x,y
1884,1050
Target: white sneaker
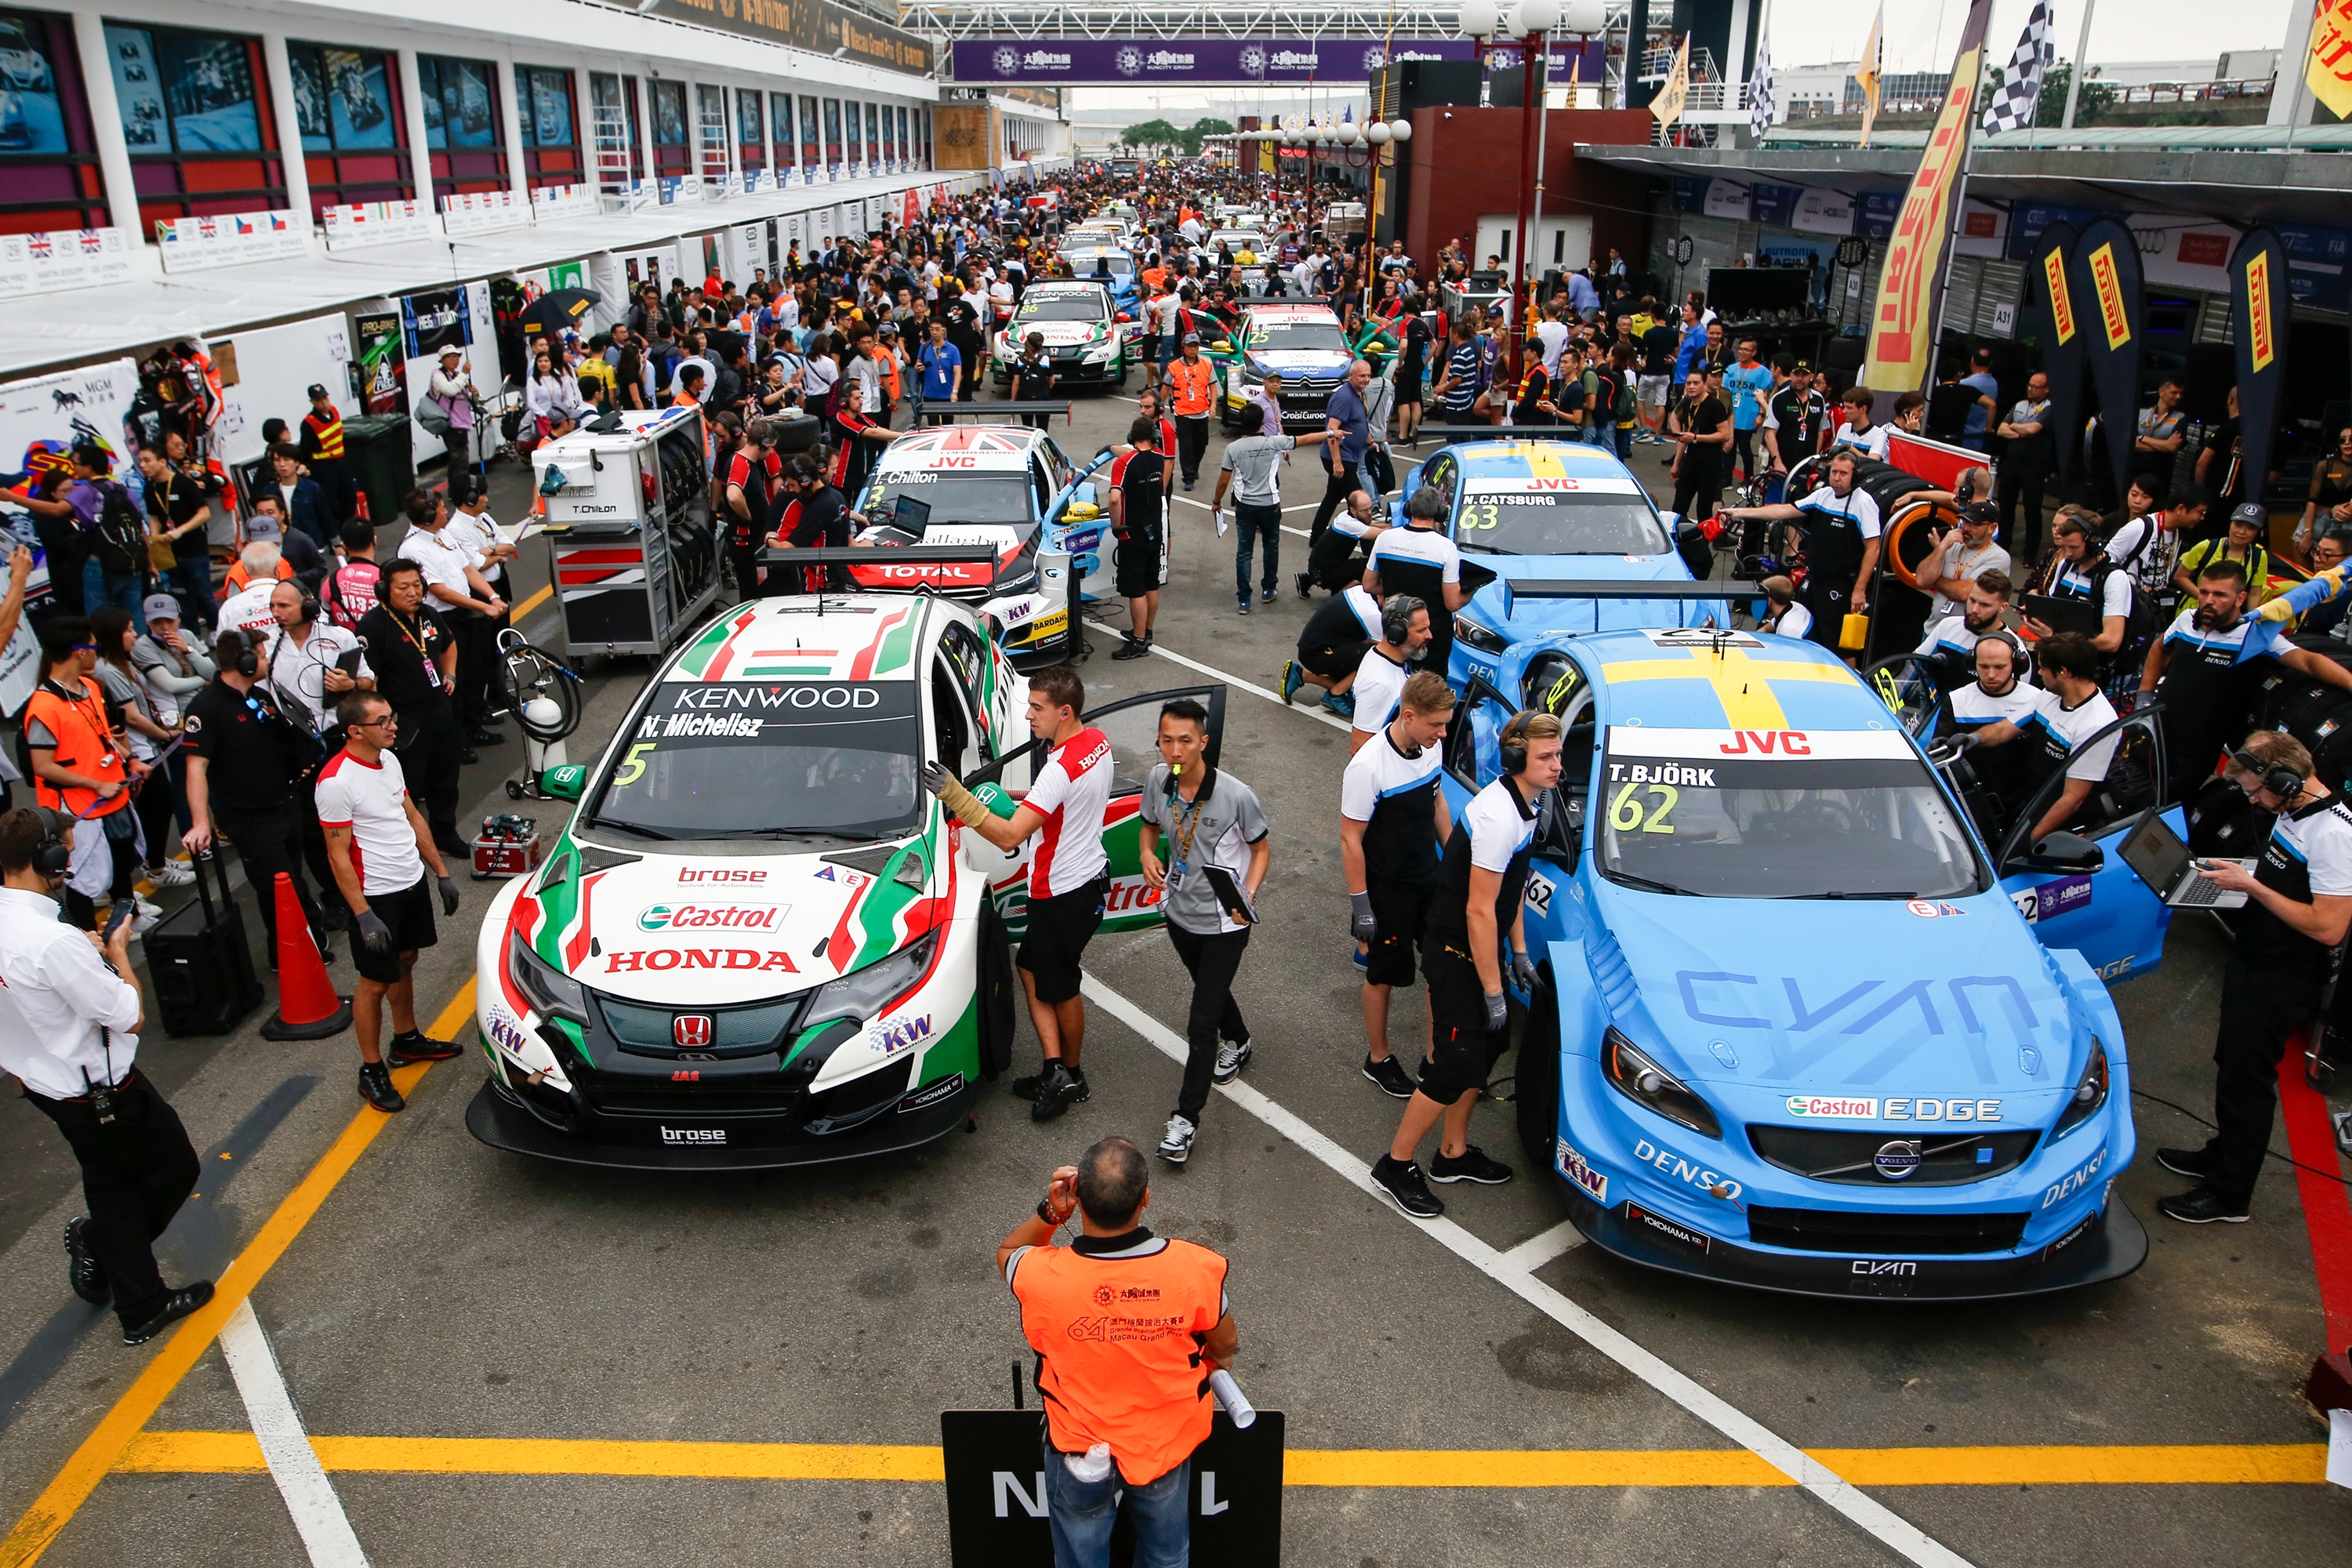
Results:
x,y
1232,1056
1176,1145
171,874
141,925
148,912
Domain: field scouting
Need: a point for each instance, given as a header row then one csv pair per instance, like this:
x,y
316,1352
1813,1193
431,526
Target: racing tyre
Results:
x,y
995,991
1536,1085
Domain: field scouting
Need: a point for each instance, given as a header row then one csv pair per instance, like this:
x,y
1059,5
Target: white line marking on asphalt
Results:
x,y
1204,506
1538,1250
1313,709
1889,1527
310,1496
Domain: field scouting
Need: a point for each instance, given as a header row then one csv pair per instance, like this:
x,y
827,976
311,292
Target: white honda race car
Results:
x,y
757,943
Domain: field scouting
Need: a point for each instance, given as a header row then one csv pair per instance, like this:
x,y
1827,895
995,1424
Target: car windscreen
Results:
x,y
1121,264
794,761
1744,814
1005,497
1239,240
1614,521
1295,337
1035,306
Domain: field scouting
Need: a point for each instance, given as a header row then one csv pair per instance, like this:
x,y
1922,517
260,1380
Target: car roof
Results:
x,y
856,637
1293,313
1700,679
949,448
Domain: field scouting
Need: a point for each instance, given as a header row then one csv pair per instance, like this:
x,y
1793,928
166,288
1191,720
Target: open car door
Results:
x,y
1132,727
2102,910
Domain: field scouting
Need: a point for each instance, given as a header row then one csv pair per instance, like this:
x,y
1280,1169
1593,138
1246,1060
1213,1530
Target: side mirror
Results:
x,y
568,781
2063,853
1124,316
1222,346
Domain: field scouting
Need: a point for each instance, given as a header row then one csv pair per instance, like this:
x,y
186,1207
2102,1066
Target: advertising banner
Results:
x,y
53,262
2058,326
2104,275
358,225
1823,212
2259,303
49,414
1911,284
230,239
1879,211
382,368
483,212
1173,61
816,25
435,321
1727,199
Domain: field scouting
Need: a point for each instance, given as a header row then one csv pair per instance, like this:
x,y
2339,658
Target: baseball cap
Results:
x,y
452,352
161,607
2251,513
317,391
1981,511
1192,337
260,529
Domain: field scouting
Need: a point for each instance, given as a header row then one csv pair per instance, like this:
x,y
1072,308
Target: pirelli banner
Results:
x,y
2104,276
2259,301
1902,353
2058,325
817,25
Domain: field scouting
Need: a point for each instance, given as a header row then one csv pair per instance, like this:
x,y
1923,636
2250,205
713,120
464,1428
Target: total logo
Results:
x,y
1687,1171
694,1134
1851,1107
2075,1181
712,917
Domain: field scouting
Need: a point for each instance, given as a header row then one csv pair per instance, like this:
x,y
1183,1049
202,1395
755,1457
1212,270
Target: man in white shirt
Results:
x,y
306,659
69,1017
1419,559
379,849
2070,710
1554,333
1842,546
1381,673
455,586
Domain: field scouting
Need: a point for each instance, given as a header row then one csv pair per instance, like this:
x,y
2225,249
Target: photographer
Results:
x,y
2299,904
1123,1416
415,669
70,1019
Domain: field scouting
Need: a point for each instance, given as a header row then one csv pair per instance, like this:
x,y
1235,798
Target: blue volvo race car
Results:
x,y
1519,506
1796,1029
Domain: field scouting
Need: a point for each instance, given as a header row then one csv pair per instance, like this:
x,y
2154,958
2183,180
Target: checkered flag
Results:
x,y
1760,87
2012,104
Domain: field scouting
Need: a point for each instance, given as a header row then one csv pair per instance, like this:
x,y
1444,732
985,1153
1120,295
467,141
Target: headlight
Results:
x,y
1254,370
869,991
1483,637
1653,1088
2090,1093
550,994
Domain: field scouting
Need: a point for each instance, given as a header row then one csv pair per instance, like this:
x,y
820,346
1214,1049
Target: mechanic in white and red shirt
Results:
x,y
1068,877
378,847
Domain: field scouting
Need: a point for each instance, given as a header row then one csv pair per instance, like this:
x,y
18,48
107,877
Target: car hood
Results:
x,y
1058,335
1294,363
674,928
1817,997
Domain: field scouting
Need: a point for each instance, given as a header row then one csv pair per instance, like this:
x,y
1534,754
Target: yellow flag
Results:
x,y
1866,75
1668,105
2329,69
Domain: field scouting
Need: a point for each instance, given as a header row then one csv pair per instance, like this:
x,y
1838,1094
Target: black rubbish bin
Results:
x,y
384,462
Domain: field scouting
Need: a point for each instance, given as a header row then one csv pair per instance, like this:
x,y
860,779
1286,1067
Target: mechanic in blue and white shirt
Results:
x,y
1842,545
2067,711
1480,895
1952,642
1418,559
1387,664
1393,821
1999,695
1331,648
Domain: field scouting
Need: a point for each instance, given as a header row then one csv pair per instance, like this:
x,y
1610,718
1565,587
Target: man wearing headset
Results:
x,y
1394,823
1478,898
70,1016
245,758
2299,903
1381,673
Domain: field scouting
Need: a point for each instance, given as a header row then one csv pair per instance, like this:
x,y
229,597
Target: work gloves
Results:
x,y
960,803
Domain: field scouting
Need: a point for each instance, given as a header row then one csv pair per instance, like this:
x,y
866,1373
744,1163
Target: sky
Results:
x,y
1920,35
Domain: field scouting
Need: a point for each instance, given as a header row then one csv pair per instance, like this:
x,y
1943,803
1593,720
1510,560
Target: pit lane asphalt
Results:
x,y
446,1290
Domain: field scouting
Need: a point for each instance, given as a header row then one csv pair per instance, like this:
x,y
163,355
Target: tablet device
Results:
x,y
2063,615
1232,897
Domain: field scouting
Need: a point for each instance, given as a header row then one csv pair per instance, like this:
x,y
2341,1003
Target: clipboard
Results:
x,y
2063,615
1231,896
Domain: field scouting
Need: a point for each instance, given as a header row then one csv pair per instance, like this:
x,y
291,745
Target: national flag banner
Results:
x,y
40,245
1865,75
1667,107
2013,104
90,241
1911,283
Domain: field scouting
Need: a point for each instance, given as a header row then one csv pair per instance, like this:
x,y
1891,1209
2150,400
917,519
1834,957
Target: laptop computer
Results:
x,y
2156,852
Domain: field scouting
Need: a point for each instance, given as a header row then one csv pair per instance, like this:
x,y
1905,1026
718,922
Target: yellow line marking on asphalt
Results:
x,y
103,1449
521,612
240,1453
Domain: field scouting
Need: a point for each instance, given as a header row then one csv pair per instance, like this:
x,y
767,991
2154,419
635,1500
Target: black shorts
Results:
x,y
1333,662
408,915
1059,929
1138,563
1400,911
1462,1050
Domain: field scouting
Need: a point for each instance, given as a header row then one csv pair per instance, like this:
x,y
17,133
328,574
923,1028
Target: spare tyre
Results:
x,y
794,431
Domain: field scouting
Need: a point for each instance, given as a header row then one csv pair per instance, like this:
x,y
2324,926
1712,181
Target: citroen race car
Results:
x,y
1302,343
1529,509
757,943
1009,487
1793,1030
1081,330
1236,241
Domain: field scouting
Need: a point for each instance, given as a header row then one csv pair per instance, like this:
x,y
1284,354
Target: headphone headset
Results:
x,y
2281,781
310,600
248,658
1514,748
1396,620
52,858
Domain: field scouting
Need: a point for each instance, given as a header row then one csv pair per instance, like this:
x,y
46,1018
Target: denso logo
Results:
x,y
2075,1181
712,917
663,959
694,1134
719,874
1683,1170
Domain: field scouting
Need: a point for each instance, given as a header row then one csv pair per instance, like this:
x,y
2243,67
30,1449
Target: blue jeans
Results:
x,y
1625,443
101,587
1082,1514
190,583
1250,522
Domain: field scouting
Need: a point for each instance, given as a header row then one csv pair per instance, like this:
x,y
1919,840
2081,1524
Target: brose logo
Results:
x,y
694,1134
712,917
719,874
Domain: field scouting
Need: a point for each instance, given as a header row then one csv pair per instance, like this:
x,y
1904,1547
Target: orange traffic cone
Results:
x,y
307,1007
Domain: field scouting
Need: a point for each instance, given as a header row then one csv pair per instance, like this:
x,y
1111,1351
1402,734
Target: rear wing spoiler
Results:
x,y
1009,409
1514,588
911,556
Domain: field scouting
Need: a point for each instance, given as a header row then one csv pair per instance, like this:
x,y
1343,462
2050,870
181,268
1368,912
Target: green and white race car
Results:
x,y
757,943
1081,327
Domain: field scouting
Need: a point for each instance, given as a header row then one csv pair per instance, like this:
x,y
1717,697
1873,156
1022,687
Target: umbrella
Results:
x,y
558,309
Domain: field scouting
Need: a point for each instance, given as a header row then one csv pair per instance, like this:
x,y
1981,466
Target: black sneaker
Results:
x,y
82,1272
1471,1165
1389,1075
1401,1180
1131,648
1305,586
177,1305
2197,1164
2203,1205
375,1088
416,1046
334,917
1057,1089
1026,1088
